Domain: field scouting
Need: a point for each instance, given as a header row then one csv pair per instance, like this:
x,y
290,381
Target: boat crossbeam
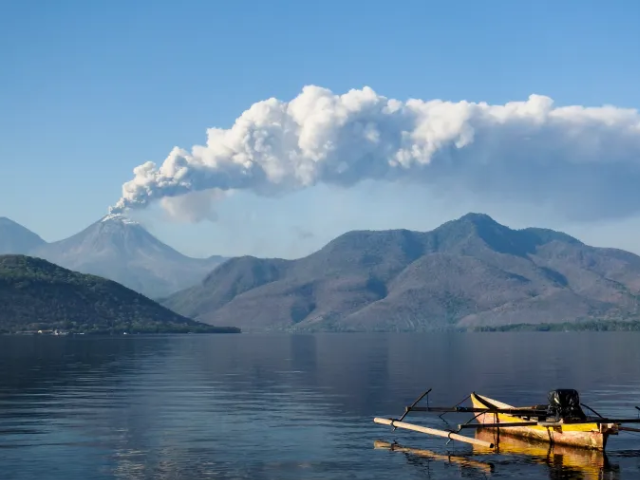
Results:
x,y
523,412
496,425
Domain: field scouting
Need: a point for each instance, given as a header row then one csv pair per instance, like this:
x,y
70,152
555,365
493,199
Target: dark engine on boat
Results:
x,y
565,404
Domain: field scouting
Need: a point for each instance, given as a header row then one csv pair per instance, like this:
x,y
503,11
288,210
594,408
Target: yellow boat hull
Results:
x,y
584,434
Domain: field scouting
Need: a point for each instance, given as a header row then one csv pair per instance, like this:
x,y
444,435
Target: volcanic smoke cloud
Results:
x,y
584,161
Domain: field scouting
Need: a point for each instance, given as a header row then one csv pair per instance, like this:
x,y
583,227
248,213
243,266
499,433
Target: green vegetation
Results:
x,y
38,295
588,326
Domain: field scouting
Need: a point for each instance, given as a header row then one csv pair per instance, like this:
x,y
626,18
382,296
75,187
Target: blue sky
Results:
x,y
89,90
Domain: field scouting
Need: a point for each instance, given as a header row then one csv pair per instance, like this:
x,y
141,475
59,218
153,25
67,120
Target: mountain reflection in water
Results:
x,y
295,406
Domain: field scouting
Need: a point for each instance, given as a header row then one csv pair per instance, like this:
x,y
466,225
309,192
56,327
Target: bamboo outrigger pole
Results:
x,y
432,431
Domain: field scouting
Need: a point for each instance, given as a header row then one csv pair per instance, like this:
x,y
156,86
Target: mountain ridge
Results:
x,y
468,272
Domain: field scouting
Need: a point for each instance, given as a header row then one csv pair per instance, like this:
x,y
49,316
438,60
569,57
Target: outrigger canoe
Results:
x,y
575,431
562,421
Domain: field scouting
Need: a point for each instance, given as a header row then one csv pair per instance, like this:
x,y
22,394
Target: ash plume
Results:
x,y
583,160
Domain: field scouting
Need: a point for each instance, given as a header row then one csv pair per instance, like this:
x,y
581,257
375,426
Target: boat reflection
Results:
x,y
563,461
459,460
513,454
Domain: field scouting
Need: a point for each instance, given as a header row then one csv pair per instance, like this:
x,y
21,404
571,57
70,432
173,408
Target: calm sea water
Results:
x,y
296,406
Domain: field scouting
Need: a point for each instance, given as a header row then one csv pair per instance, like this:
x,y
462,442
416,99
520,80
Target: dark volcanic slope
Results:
x,y
468,272
124,251
35,294
14,238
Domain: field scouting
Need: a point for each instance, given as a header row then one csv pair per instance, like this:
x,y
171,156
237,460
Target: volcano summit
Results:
x,y
121,249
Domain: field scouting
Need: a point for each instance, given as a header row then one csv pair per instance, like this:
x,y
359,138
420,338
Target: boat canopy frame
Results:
x,y
537,411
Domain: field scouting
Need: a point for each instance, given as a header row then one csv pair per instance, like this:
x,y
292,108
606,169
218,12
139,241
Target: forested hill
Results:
x,y
468,273
38,295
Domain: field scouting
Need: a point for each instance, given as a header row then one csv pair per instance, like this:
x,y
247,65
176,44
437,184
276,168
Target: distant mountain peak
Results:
x,y
478,218
471,223
121,249
16,239
8,221
119,218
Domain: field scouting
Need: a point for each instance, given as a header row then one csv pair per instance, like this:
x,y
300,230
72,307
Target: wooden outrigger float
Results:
x,y
562,421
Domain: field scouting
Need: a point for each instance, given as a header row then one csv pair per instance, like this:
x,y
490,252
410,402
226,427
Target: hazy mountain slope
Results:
x,y
467,272
36,294
348,267
448,287
14,238
229,280
124,251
